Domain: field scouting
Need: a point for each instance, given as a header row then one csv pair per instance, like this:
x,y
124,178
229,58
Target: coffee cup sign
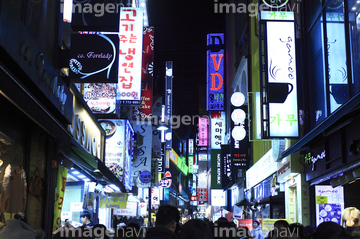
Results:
x,y
278,92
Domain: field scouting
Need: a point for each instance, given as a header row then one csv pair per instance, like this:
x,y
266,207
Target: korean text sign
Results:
x,y
281,74
130,55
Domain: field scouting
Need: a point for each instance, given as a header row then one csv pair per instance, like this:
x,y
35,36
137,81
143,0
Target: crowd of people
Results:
x,y
168,226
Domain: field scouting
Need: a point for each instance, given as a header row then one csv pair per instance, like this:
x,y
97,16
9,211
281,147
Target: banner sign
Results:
x,y
130,55
143,159
216,169
114,146
191,146
281,80
129,141
203,131
227,176
168,105
100,97
94,58
113,200
215,71
156,135
218,129
144,111
59,196
239,134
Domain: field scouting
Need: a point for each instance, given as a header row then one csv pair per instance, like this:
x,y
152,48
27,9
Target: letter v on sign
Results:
x,y
216,65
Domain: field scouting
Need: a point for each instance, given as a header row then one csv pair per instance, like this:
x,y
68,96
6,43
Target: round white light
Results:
x,y
238,116
237,99
238,133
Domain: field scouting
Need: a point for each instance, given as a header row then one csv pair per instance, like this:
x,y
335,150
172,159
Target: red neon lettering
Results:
x,y
213,81
217,66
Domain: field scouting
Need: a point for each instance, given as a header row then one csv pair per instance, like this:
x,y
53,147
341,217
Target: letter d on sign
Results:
x,y
213,75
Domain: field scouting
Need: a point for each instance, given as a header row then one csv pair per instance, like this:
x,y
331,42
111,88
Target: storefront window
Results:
x,y
72,205
336,55
315,64
354,29
11,160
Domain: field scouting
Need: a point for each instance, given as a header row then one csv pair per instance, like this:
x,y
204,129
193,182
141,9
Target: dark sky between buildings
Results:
x,y
181,29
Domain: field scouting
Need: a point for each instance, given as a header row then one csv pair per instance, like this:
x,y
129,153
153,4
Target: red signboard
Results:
x,y
202,194
144,111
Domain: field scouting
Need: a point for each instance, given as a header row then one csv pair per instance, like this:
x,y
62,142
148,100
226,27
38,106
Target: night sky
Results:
x,y
181,28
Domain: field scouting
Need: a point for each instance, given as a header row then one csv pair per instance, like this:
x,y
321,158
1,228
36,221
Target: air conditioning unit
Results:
x,y
335,182
342,180
356,173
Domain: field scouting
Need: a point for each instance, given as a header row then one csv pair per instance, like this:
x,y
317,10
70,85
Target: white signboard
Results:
x,y
66,216
282,94
76,206
130,55
336,55
217,129
218,197
130,210
114,145
329,203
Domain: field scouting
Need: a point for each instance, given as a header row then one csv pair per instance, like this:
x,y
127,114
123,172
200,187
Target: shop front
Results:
x,y
89,183
36,107
332,170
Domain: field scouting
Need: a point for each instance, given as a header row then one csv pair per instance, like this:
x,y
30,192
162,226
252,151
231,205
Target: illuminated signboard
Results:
x,y
217,129
129,140
203,131
282,120
114,145
180,162
130,55
142,161
94,58
329,203
215,71
85,129
191,146
191,163
336,55
100,97
144,111
168,109
216,169
240,139
218,197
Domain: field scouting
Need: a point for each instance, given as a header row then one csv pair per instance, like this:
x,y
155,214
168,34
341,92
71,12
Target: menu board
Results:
x,y
329,203
100,97
114,146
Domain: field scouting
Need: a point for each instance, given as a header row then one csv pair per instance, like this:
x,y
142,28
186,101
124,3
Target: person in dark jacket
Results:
x,y
165,225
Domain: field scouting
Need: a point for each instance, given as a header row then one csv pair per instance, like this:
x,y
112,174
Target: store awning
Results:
x,y
183,195
244,202
93,166
342,113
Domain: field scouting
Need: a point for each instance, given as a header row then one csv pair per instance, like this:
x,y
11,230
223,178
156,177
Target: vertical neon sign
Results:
x,y
215,72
